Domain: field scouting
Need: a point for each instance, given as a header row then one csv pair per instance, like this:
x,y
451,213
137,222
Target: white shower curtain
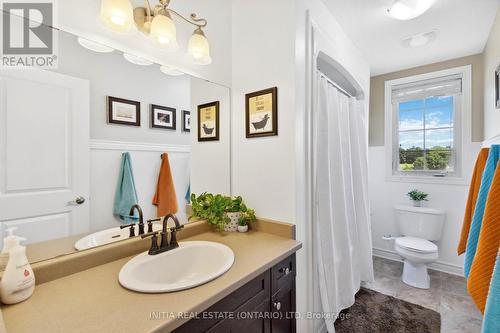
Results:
x,y
341,219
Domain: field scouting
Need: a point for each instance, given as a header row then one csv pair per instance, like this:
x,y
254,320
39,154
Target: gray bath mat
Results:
x,y
375,312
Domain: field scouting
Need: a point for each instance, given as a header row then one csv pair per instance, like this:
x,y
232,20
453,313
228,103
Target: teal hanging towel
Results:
x,y
126,195
188,194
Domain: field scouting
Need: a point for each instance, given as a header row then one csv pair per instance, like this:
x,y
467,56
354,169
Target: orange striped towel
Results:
x,y
475,184
481,271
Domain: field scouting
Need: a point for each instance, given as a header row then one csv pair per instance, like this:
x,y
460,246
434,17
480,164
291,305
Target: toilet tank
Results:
x,y
421,222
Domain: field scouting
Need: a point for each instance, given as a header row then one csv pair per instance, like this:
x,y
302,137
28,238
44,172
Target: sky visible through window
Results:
x,y
426,126
435,113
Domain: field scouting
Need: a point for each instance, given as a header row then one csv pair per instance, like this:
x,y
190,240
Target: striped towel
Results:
x,y
491,322
477,220
471,201
481,270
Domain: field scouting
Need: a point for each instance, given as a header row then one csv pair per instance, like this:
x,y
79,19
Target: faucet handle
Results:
x,y
132,229
173,238
150,223
154,241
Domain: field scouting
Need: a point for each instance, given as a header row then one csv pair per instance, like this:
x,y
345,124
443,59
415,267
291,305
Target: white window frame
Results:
x,y
463,140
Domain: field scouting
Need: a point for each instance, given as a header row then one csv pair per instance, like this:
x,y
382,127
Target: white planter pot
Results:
x,y
243,228
232,226
417,203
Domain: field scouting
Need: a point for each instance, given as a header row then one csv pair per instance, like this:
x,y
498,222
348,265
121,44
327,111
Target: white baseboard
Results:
x,y
138,146
437,266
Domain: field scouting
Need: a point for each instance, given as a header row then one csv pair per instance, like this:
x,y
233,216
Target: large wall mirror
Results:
x,y
72,137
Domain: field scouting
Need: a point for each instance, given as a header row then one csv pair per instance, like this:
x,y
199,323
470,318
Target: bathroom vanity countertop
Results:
x,y
94,301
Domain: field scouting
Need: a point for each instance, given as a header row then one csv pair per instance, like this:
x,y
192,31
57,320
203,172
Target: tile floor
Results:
x,y
447,295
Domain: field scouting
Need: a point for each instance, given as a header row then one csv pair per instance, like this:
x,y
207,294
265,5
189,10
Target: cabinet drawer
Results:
x,y
254,292
283,273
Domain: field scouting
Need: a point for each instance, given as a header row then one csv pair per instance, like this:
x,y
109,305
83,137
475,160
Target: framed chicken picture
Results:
x,y
208,122
262,113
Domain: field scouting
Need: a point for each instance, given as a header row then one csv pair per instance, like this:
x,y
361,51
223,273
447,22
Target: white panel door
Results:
x,y
44,154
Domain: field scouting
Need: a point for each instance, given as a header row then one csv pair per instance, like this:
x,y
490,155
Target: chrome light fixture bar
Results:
x,y
157,23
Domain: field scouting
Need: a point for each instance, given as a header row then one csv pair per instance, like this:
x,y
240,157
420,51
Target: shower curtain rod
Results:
x,y
339,88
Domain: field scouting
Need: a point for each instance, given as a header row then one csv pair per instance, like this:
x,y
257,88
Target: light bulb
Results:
x,y
163,32
199,48
117,15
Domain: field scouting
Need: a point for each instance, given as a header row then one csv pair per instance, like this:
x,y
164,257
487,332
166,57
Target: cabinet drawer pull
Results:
x,y
277,305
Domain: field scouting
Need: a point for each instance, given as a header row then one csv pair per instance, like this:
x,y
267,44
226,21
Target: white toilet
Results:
x,y
418,227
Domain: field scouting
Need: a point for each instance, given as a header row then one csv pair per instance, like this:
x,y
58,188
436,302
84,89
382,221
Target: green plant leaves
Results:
x,y
213,208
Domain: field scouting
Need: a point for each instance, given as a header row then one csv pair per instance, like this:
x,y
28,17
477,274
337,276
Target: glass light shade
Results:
x,y
164,33
94,46
199,48
409,9
118,15
137,60
171,71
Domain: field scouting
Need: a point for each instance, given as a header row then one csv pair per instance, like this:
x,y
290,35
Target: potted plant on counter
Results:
x,y
223,212
417,197
246,216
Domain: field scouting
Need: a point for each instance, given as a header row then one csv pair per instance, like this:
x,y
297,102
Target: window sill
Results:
x,y
429,180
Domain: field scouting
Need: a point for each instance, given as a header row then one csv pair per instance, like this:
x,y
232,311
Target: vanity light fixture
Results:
x,y
94,46
157,23
171,71
137,60
409,9
117,15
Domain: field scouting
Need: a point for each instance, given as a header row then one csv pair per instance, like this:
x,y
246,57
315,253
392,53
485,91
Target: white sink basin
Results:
x,y
191,264
108,236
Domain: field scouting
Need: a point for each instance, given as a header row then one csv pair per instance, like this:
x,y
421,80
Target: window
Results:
x,y
425,114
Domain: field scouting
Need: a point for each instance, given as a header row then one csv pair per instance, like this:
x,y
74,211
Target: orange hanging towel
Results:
x,y
475,184
165,198
481,271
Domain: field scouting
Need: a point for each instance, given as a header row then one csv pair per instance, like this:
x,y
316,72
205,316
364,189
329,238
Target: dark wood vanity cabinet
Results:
x,y
264,305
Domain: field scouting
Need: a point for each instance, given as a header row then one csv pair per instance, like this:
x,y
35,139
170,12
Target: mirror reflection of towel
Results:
x,y
165,197
126,195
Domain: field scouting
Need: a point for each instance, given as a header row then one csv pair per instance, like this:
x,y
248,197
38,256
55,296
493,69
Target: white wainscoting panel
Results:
x,y
105,157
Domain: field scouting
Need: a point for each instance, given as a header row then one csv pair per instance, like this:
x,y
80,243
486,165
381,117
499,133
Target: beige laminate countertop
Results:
x,y
94,301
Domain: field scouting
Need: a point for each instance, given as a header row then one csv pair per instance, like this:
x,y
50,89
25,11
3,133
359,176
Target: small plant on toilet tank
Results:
x,y
417,197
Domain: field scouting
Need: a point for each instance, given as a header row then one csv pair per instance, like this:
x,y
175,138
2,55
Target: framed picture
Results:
x,y
163,117
186,121
208,122
497,87
261,112
123,111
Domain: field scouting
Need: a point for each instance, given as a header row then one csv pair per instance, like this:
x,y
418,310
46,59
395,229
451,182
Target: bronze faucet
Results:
x,y
141,222
165,244
141,217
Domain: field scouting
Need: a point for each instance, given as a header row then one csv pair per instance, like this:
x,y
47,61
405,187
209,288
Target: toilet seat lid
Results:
x,y
416,244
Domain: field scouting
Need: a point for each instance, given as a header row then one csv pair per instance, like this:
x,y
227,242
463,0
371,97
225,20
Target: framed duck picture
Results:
x,y
261,113
208,122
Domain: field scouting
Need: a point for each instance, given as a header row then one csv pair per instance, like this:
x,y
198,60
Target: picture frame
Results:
x,y
497,87
163,117
208,122
186,121
123,111
261,113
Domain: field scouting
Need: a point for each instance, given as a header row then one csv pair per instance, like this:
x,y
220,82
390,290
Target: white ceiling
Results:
x,y
463,27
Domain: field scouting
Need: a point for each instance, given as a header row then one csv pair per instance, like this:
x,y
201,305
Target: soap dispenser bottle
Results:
x,y
8,243
18,281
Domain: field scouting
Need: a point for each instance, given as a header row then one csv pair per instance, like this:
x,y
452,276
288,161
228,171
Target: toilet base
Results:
x,y
416,275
